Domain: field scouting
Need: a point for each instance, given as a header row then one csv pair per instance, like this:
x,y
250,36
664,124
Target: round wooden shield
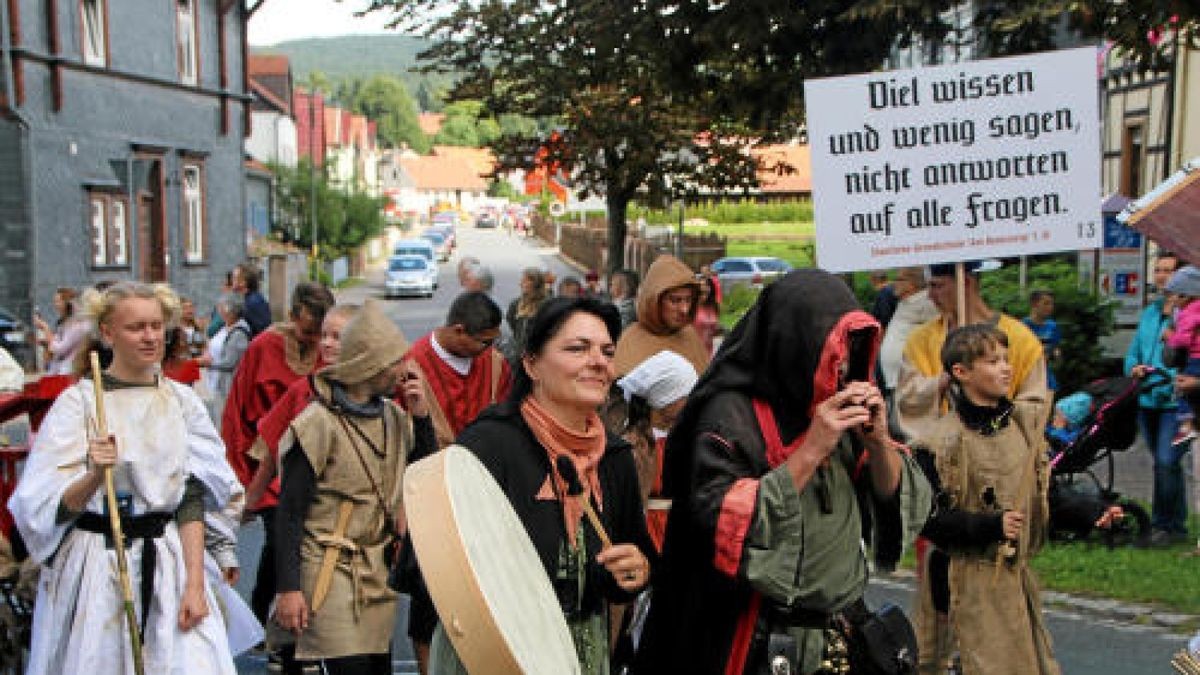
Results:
x,y
492,595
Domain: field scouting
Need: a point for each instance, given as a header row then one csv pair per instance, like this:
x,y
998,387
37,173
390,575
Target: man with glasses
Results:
x,y
463,374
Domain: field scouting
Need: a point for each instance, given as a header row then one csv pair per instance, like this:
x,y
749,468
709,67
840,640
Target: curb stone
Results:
x,y
1101,608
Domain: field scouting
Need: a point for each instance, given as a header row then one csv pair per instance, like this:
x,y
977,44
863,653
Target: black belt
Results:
x,y
780,618
146,527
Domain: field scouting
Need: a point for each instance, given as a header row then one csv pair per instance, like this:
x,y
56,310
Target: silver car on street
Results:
x,y
409,275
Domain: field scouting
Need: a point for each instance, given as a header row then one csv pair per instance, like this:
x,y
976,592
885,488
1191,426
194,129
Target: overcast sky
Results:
x,y
281,20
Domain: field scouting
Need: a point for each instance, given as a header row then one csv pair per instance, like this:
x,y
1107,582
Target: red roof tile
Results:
x,y
268,64
482,160
431,123
434,172
784,168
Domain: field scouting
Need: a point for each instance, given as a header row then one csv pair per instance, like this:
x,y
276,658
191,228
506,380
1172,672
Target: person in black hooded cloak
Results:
x,y
781,447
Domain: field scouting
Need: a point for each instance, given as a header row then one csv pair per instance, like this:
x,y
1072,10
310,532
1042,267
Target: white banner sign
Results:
x,y
975,160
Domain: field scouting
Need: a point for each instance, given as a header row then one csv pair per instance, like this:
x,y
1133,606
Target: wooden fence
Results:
x,y
588,245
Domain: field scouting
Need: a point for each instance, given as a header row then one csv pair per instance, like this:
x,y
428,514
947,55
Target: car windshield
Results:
x,y
435,237
423,251
405,264
774,265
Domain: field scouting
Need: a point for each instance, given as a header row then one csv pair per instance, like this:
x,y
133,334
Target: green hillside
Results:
x,y
358,57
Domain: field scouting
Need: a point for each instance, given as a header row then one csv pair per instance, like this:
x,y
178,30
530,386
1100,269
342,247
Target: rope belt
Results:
x,y
146,527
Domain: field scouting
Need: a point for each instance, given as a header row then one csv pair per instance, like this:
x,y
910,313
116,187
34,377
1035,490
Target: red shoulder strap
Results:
x,y
777,452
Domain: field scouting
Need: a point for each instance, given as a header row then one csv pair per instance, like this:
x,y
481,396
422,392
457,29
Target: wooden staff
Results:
x,y
114,519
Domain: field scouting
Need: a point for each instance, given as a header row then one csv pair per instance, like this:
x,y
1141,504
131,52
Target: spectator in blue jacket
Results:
x,y
1041,308
257,312
1157,417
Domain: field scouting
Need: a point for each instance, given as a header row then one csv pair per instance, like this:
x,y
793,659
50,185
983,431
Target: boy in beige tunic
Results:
x,y
342,463
986,461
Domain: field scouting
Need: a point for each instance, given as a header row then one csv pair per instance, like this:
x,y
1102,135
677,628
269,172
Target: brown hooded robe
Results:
x,y
649,335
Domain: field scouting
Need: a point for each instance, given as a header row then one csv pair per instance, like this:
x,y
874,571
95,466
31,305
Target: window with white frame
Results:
x,y
108,224
94,32
193,213
185,40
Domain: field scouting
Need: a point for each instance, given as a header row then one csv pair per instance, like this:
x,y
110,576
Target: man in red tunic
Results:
x,y
463,374
275,359
272,425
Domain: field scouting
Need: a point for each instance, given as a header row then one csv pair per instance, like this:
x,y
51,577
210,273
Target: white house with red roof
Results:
x,y
273,136
415,184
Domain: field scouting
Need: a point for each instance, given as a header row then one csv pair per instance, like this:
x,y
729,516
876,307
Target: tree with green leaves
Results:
x,y
345,220
430,98
659,98
385,99
318,81
621,131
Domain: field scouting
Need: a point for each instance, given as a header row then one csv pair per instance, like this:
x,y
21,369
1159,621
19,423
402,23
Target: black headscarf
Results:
x,y
775,353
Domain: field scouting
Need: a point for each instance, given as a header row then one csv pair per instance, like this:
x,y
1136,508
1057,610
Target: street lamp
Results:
x,y
312,176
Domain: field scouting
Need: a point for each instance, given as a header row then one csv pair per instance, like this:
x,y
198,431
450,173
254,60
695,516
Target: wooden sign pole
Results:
x,y
960,286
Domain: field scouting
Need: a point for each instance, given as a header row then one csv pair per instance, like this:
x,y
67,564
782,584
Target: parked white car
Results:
x,y
749,271
409,275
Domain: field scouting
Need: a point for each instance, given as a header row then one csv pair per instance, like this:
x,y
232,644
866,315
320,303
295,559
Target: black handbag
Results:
x,y
882,642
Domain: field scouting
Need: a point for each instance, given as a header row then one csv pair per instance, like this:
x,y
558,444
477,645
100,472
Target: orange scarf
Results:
x,y
585,450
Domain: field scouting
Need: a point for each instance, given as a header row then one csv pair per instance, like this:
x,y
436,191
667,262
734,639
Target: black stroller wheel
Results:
x,y
1133,528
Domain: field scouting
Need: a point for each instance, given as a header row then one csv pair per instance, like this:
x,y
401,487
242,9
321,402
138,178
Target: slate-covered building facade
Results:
x,y
121,145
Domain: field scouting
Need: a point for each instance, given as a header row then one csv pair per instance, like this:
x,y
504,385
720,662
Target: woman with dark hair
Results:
x,y
781,445
566,371
708,313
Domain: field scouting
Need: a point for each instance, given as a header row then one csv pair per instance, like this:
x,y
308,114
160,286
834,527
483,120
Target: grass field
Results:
x,y
798,253
755,230
1163,577
789,241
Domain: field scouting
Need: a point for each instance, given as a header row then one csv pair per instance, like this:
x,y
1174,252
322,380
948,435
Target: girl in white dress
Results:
x,y
168,463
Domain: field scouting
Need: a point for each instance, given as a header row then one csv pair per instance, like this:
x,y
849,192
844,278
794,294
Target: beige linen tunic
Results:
x,y
359,613
995,614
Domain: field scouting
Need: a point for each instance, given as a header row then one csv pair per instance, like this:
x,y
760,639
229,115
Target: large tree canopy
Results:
x,y
662,96
634,113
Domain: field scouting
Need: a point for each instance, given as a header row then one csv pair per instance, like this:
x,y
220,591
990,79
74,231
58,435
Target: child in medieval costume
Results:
x,y
342,463
986,460
167,462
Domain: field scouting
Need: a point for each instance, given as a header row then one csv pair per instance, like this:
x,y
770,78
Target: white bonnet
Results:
x,y
661,379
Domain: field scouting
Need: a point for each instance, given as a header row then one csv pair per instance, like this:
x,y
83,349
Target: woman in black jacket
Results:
x,y
566,371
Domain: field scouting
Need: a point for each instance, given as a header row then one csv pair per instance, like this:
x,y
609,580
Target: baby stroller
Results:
x,y
1077,495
